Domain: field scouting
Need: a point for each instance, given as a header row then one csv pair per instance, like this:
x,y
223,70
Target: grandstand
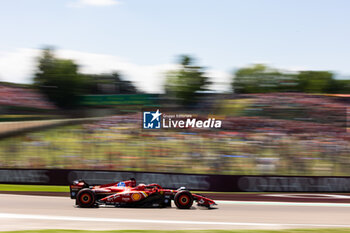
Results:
x,y
23,96
268,142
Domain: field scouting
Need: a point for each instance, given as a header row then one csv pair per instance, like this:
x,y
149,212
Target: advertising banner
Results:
x,y
200,182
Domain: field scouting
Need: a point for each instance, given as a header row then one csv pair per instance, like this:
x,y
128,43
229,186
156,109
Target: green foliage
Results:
x,y
316,82
109,84
341,86
186,82
322,82
61,82
59,79
260,79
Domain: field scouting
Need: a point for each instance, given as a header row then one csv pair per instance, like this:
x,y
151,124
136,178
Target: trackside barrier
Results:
x,y
219,183
16,127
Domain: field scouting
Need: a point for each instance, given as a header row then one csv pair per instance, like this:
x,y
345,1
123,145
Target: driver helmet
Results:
x,y
132,182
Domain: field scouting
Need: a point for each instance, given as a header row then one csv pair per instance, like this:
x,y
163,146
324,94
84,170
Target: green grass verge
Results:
x,y
52,188
337,230
33,188
45,188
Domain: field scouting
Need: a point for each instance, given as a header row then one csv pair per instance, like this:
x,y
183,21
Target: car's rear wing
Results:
x,y
76,186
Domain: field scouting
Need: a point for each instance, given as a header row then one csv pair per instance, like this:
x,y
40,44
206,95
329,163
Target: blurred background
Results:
x,y
76,75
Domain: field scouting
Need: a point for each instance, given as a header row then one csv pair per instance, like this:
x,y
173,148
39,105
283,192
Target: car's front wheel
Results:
x,y
183,200
86,198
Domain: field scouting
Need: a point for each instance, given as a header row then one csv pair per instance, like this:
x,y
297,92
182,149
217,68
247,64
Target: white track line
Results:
x,y
308,195
121,220
219,202
279,203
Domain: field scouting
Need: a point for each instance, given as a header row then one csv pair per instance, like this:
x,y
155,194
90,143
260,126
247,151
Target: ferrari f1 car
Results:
x,y
128,194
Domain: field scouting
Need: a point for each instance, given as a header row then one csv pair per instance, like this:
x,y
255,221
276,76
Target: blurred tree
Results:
x,y
109,84
341,86
186,82
260,78
59,80
317,82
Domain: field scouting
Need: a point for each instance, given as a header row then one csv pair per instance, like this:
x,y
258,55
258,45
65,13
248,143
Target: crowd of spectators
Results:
x,y
245,145
23,97
301,107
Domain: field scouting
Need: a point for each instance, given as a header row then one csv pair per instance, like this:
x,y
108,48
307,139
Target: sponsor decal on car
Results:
x,y
144,193
136,196
121,184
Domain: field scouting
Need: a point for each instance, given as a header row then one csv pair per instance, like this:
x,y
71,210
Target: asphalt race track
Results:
x,y
19,212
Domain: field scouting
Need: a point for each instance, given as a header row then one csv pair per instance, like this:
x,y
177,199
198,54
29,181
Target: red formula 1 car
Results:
x,y
128,194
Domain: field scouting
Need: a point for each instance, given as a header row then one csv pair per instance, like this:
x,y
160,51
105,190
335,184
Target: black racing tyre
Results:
x,y
86,198
183,199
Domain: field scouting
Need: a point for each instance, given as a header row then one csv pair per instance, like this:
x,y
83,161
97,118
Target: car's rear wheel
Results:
x,y
183,200
86,198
